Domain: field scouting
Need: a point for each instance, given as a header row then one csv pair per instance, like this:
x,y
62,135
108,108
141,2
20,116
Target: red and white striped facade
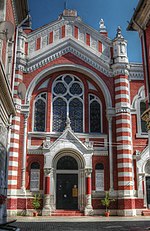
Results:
x,y
70,47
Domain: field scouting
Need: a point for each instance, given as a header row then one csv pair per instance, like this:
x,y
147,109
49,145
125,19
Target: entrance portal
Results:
x,y
67,194
67,183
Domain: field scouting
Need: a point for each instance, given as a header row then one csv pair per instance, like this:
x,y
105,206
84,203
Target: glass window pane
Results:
x,y
143,123
76,115
39,115
95,118
59,115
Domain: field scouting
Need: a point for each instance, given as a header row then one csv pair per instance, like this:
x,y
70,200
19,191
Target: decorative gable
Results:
x,y
67,141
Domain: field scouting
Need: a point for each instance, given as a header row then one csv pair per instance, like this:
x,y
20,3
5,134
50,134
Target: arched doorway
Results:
x,y
67,183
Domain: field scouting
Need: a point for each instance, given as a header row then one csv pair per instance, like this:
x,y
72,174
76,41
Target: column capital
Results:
x,y
88,172
47,171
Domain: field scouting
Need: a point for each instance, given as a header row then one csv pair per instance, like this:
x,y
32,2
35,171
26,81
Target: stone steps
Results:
x,y
67,213
146,212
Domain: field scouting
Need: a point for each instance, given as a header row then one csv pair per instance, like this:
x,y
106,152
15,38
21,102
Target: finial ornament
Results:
x,y
102,26
68,122
119,34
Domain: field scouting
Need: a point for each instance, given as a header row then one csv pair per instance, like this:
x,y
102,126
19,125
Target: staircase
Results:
x,y
67,213
146,212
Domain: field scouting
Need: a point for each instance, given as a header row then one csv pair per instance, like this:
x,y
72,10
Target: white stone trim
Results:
x,y
16,127
124,146
12,182
122,156
123,121
122,96
121,174
13,163
16,118
123,130
119,138
14,145
124,165
12,173
18,76
14,136
122,88
121,80
125,183
13,154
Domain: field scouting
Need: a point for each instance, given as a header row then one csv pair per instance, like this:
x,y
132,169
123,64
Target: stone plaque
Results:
x,y
99,180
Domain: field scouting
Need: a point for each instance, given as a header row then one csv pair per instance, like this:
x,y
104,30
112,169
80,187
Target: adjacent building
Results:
x,y
77,132
11,15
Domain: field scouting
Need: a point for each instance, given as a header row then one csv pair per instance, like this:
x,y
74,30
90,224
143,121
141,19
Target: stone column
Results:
x,y
88,207
110,153
46,205
23,170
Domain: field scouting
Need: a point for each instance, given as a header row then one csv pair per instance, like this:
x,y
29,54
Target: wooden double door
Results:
x,y
67,191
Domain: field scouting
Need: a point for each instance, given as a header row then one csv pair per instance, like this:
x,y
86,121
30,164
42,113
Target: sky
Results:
x,y
114,13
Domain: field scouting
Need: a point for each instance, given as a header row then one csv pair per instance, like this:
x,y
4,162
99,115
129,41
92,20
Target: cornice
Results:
x,y
41,58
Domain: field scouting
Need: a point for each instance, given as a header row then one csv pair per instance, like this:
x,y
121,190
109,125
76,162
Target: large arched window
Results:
x,y
40,113
99,177
67,101
35,177
95,114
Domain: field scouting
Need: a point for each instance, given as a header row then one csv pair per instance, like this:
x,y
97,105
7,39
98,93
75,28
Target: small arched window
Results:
x,y
95,114
143,123
35,177
99,177
40,113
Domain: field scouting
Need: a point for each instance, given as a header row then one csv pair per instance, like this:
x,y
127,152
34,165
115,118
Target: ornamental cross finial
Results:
x,y
68,122
119,34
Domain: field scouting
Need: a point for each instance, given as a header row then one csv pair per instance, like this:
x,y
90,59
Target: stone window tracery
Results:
x,y
67,100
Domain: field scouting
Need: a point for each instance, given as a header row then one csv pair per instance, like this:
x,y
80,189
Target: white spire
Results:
x,y
102,27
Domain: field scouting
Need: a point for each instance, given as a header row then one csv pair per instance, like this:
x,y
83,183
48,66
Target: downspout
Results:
x,y
146,60
15,52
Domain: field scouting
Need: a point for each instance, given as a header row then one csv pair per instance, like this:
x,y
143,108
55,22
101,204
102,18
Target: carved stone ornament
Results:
x,y
47,171
46,143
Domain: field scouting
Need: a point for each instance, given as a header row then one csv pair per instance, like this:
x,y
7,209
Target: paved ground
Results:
x,y
83,223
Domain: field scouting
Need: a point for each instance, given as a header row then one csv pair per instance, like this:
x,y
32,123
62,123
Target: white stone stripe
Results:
x,y
124,146
12,182
12,173
13,163
122,96
123,130
14,145
121,156
123,121
121,80
125,183
16,127
122,88
122,104
15,92
15,136
125,165
18,76
122,174
119,138
13,154
16,118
